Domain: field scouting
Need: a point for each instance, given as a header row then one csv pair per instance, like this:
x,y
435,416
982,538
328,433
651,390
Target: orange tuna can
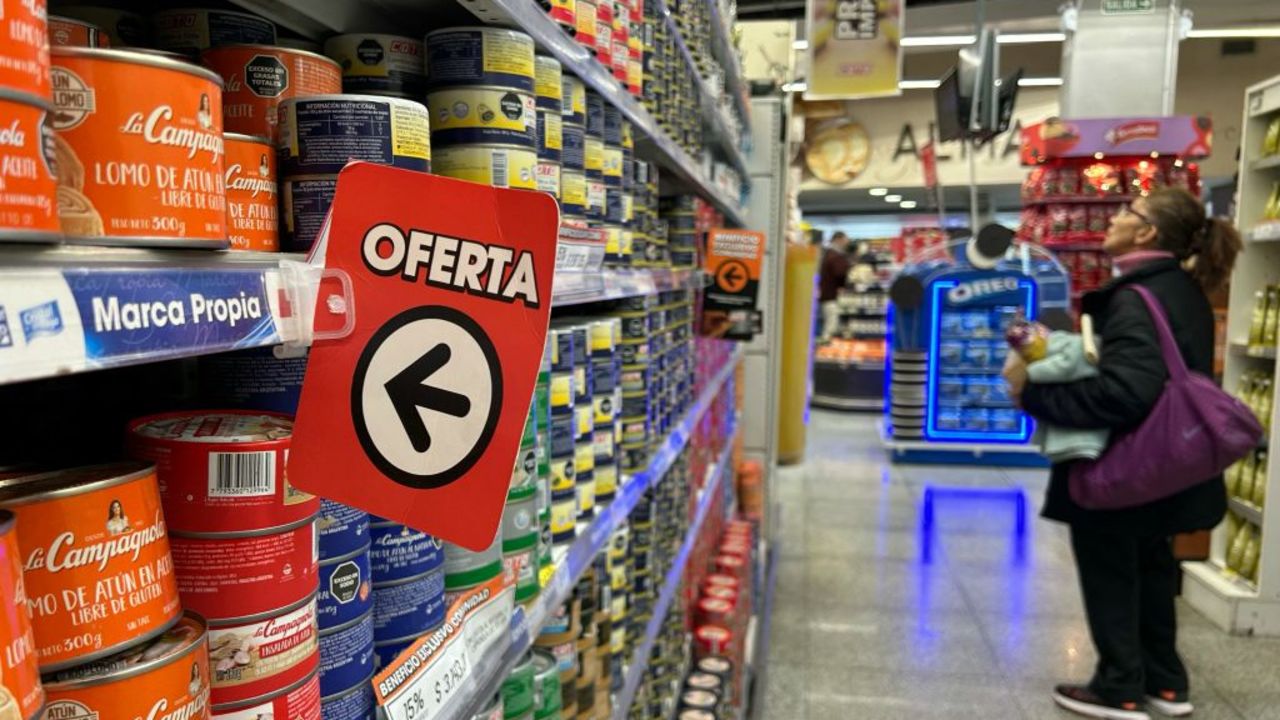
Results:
x,y
20,692
164,679
257,656
300,702
97,569
139,149
70,32
222,471
24,46
258,77
252,219
28,182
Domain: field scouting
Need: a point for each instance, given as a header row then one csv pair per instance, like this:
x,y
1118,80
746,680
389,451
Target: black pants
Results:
x,y
1129,586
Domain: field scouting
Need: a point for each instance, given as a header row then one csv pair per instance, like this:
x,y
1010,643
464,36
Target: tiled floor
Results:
x,y
864,630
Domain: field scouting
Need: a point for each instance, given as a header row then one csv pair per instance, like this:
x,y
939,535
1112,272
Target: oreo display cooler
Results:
x,y
945,398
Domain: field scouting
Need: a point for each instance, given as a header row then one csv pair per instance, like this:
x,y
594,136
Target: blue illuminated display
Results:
x,y
967,398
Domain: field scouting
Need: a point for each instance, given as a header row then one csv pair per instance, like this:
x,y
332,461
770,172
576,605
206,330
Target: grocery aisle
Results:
x,y
864,629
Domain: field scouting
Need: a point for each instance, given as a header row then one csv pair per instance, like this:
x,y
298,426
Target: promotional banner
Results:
x,y
729,304
417,414
854,49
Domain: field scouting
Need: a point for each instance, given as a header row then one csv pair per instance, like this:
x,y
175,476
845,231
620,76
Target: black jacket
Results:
x,y
1131,375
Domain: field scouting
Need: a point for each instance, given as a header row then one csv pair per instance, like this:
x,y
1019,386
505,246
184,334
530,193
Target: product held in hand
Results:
x,y
138,149
97,569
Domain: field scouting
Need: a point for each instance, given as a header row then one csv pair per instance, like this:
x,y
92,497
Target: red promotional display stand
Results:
x,y
1084,171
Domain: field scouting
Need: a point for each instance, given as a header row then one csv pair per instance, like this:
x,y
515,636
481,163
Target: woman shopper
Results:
x,y
1128,574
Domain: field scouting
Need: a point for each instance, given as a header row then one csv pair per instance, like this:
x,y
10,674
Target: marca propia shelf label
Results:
x,y
418,413
89,318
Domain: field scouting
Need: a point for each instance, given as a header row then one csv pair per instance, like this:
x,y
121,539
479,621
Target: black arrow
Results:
x,y
732,275
407,394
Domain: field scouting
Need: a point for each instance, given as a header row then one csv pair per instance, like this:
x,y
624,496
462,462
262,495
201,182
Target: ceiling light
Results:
x,y
1040,82
907,204
1034,37
938,40
878,192
1245,32
893,198
918,84
800,45
795,87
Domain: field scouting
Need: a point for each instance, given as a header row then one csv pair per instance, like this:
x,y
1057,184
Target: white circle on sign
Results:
x,y
426,396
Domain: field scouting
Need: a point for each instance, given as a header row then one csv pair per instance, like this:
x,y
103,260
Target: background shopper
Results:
x,y
1128,574
832,276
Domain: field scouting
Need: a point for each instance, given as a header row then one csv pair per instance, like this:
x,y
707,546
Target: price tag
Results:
x,y
426,678
434,688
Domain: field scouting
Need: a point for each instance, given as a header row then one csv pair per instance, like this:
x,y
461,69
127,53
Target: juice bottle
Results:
x,y
1258,322
1272,317
1249,556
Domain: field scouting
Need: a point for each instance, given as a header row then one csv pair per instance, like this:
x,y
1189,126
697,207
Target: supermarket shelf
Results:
x,y
758,660
671,584
710,108
494,667
1246,510
414,17
1078,199
1253,351
1267,163
1266,231
612,284
735,83
56,303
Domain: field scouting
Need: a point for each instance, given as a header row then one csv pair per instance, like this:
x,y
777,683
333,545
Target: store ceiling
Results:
x,y
943,17
991,198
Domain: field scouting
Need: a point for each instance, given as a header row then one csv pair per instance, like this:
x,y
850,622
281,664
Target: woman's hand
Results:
x,y
1015,373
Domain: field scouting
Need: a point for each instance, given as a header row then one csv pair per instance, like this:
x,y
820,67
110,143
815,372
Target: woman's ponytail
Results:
x,y
1215,254
1208,246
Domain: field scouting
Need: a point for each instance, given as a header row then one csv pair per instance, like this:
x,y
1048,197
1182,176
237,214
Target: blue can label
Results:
x,y
319,135
343,529
399,552
356,704
306,204
480,56
346,657
385,653
408,608
346,590
595,114
573,142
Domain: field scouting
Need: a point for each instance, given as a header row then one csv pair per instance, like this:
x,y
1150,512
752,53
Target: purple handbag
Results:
x,y
1192,434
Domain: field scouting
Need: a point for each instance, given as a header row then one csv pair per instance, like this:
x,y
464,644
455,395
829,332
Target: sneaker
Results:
x,y
1082,701
1171,703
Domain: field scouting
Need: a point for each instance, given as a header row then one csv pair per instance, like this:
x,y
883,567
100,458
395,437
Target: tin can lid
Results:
x,y
241,137
179,641
25,98
138,56
62,483
215,426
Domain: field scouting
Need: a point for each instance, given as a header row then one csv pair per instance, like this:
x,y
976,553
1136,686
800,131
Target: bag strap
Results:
x,y
1168,346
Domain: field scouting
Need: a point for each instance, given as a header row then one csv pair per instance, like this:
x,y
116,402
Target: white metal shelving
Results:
x,y
1234,603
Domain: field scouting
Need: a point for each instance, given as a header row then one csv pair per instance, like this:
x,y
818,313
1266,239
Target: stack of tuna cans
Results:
x,y
387,65
520,537
635,378
465,569
542,411
562,435
620,578
617,192
345,613
679,211
550,106
606,400
243,542
593,156
481,83
573,179
584,464
408,573
29,204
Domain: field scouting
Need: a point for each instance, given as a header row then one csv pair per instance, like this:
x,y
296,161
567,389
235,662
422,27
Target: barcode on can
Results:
x,y
498,168
242,474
